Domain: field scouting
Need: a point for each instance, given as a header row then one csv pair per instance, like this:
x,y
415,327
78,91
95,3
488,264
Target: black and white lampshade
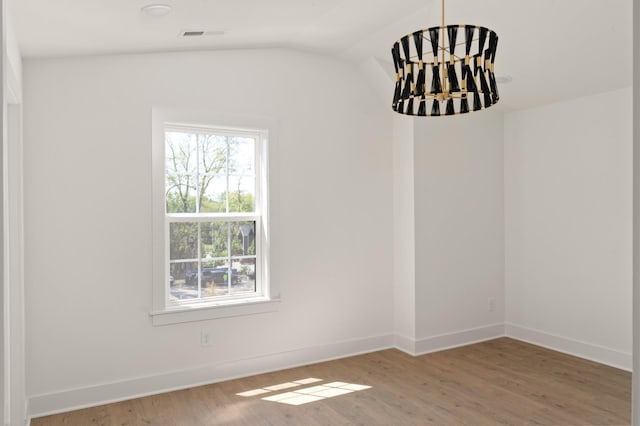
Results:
x,y
445,70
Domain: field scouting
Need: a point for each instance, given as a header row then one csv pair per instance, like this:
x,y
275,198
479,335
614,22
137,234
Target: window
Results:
x,y
213,246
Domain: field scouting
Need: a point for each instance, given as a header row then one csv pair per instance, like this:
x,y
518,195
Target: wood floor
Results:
x,y
500,382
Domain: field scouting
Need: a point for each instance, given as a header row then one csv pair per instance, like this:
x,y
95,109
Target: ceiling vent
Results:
x,y
200,33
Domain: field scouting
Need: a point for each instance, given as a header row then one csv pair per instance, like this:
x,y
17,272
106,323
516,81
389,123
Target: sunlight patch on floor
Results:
x,y
281,386
304,395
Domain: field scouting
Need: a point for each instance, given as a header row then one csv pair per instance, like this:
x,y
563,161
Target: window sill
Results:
x,y
189,313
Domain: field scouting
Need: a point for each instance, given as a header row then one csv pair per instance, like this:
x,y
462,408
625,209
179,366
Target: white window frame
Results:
x,y
266,298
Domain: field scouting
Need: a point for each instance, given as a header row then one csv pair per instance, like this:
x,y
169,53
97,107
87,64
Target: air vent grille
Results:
x,y
200,33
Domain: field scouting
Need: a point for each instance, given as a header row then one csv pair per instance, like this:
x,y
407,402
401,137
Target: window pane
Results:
x,y
215,281
212,154
180,196
181,172
212,172
245,276
183,281
183,241
242,194
180,153
243,235
242,156
214,237
214,194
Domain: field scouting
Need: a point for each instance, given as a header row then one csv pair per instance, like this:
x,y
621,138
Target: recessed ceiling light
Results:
x,y
156,9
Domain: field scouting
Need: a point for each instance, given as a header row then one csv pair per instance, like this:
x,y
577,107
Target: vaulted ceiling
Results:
x,y
552,49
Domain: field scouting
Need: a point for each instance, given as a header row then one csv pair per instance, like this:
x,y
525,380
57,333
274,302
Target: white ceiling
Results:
x,y
553,49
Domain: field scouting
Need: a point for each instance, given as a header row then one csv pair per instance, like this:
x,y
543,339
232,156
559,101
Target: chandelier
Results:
x,y
432,80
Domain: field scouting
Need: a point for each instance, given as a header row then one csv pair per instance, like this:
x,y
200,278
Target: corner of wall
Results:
x,y
403,232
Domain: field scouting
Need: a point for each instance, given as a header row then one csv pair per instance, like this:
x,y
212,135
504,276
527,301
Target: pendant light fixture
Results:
x,y
445,70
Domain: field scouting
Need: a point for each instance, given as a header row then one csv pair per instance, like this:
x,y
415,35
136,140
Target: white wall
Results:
x,y
458,167
404,264
635,395
14,62
15,397
88,220
568,213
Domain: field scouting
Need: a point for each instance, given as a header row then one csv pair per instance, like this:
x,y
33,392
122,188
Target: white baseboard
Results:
x,y
459,338
405,344
577,348
442,342
105,393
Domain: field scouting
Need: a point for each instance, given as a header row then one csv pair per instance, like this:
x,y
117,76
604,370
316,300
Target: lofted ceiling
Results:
x,y
552,49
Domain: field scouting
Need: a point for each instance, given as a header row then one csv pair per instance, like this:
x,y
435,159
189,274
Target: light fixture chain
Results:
x,y
444,73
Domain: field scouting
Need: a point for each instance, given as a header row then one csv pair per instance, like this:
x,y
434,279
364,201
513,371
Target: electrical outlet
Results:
x,y
492,304
205,338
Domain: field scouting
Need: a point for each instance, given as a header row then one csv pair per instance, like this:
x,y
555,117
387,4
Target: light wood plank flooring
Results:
x,y
499,382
